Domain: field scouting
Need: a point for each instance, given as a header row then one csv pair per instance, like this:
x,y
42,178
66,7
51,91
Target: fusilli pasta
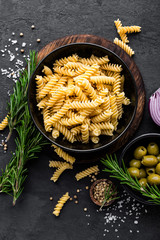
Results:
x,y
4,123
124,46
87,172
60,204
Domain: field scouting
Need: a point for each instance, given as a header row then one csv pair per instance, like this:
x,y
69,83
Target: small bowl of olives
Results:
x,y
142,159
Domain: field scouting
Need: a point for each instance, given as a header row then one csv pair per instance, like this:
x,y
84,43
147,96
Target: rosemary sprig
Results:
x,y
122,174
109,195
18,100
28,141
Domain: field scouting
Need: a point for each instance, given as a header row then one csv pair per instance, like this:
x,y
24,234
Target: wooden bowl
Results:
x,y
92,188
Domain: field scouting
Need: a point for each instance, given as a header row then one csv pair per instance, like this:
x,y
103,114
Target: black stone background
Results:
x,y
32,217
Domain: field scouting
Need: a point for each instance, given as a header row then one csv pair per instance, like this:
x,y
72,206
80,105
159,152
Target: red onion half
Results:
x,y
154,107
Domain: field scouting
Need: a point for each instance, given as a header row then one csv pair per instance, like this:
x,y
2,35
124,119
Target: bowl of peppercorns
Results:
x,y
103,192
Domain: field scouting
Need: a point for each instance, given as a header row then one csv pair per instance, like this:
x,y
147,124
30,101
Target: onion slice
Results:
x,y
154,107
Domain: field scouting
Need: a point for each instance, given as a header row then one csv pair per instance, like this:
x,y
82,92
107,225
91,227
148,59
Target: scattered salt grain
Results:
x,y
14,42
23,44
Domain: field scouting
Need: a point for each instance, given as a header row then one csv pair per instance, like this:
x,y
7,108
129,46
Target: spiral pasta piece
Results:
x,y
85,133
122,35
64,155
102,79
80,94
64,71
47,70
104,116
60,204
62,61
43,102
59,171
47,88
107,132
95,133
112,67
61,82
106,104
85,104
56,164
55,133
117,83
76,130
114,106
55,97
124,46
94,60
4,123
95,139
46,116
129,29
58,105
102,126
87,172
52,120
103,92
89,89
72,121
126,101
68,134
120,98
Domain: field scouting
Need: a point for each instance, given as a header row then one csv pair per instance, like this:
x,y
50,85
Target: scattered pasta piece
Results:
x,y
60,204
63,154
124,46
60,170
87,172
122,35
4,123
129,29
56,164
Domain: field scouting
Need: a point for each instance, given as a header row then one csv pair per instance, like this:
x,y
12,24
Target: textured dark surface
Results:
x,y
31,218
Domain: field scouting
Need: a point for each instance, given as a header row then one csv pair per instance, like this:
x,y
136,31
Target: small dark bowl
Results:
x,y
84,50
127,155
92,188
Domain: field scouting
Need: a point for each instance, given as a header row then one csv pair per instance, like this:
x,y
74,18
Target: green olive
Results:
x,y
142,173
150,170
149,160
153,179
158,158
158,168
153,149
135,163
134,172
143,182
140,152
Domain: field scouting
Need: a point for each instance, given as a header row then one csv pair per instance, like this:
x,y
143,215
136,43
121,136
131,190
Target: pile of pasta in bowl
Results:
x,y
81,98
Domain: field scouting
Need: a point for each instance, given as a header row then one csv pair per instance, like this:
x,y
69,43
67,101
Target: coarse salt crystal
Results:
x,y
14,42
23,44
